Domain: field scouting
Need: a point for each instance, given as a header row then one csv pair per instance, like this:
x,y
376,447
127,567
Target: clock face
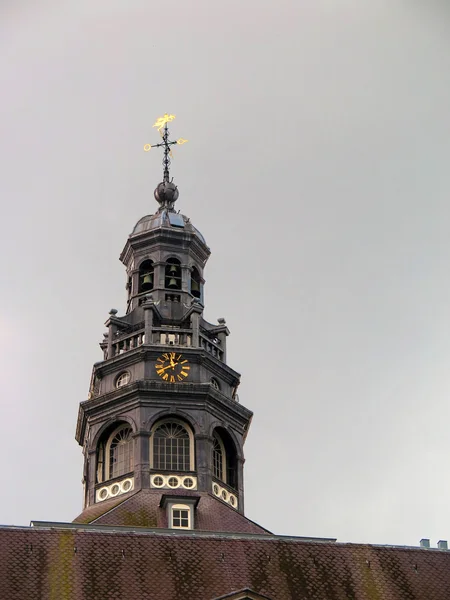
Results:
x,y
172,367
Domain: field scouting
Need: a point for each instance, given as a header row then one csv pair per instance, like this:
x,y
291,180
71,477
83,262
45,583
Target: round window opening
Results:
x,y
173,482
232,500
224,495
158,481
115,489
188,482
123,379
216,489
126,485
103,493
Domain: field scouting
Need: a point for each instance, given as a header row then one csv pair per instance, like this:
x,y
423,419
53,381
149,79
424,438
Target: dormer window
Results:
x,y
181,517
180,511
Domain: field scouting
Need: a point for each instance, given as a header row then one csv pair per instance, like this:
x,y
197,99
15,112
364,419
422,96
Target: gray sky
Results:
x,y
317,169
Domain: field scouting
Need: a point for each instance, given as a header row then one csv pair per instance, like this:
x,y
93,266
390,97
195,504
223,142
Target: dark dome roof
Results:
x,y
166,218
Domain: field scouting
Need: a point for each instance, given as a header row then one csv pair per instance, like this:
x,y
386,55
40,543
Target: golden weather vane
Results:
x,y
161,121
161,125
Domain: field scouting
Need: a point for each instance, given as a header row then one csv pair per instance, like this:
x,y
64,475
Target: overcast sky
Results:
x,y
317,170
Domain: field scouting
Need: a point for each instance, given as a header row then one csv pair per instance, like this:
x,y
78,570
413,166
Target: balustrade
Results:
x,y
165,336
171,336
210,346
128,343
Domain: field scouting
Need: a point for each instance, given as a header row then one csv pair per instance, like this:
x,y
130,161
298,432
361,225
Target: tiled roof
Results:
x,y
86,563
142,509
95,511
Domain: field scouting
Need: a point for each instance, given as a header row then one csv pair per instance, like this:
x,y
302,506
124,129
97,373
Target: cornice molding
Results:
x,y
188,241
151,352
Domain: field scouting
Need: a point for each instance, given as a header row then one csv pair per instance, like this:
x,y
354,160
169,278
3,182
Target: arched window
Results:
x,y
121,452
224,458
146,276
115,452
173,274
196,283
172,447
218,458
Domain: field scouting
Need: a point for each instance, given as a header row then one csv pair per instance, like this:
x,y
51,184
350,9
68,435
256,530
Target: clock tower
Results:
x,y
162,429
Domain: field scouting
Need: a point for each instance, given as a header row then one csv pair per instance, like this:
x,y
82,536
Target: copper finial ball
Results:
x,y
166,193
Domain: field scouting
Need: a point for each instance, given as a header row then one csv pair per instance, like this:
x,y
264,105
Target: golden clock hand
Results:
x,y
164,368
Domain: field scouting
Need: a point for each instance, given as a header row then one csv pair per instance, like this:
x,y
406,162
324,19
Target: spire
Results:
x,y
166,193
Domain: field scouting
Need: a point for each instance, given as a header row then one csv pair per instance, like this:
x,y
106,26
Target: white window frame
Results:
x,y
191,441
107,457
224,458
119,377
185,507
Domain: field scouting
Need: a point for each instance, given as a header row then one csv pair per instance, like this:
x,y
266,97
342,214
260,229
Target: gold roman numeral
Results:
x,y
172,379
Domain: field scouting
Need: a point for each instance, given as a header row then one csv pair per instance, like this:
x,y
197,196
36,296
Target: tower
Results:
x,y
162,429
162,433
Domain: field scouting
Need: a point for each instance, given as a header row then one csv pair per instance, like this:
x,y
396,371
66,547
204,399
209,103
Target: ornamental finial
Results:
x,y
161,125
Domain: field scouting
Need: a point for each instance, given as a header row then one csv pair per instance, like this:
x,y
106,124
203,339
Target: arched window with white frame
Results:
x,y
172,446
115,456
219,458
121,452
224,458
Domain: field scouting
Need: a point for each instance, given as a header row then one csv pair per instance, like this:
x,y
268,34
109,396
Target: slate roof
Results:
x,y
142,509
85,562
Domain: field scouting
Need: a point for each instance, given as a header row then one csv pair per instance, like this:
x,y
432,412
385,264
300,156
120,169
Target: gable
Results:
x,y
243,595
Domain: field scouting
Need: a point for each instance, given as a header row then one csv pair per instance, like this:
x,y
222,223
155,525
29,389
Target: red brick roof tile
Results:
x,y
142,509
90,564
